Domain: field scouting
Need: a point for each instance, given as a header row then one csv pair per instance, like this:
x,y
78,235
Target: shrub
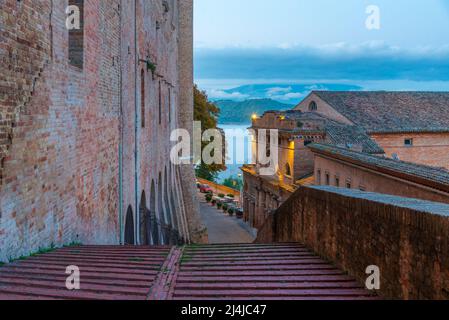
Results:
x,y
219,205
231,212
221,195
225,207
208,197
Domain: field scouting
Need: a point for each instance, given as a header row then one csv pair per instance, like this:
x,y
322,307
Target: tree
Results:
x,y
233,183
207,113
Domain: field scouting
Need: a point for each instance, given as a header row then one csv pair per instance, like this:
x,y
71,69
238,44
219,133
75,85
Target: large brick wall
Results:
x,y
73,155
407,239
60,174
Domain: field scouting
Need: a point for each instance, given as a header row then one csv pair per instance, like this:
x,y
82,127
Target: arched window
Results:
x,y
313,106
288,171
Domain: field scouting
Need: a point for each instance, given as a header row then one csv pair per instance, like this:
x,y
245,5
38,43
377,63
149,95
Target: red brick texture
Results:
x,y
62,127
431,149
354,231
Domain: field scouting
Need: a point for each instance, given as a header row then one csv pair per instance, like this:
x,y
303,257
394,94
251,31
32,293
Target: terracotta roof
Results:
x,y
337,133
379,111
425,175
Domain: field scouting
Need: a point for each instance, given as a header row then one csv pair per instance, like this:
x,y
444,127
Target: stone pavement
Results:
x,y
223,228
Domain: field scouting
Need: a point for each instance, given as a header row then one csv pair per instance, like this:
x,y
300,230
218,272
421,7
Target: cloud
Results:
x,y
373,60
216,94
276,90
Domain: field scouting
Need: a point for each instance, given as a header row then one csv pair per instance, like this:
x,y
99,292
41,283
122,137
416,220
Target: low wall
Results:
x,y
218,188
407,239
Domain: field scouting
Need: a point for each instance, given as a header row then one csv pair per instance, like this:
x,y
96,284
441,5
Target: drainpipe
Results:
x,y
120,166
135,127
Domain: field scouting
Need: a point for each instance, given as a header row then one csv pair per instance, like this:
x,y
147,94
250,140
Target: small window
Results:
x,y
337,181
313,106
76,36
288,171
348,184
328,180
318,177
307,142
408,142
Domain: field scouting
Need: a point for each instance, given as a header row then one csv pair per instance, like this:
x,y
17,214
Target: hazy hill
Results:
x,y
241,111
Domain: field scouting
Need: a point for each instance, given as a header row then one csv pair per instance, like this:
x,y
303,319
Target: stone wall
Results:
x,y
406,238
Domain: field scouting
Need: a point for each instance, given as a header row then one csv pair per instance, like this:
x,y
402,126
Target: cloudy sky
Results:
x,y
289,43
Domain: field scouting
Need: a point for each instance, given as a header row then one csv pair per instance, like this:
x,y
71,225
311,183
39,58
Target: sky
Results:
x,y
287,43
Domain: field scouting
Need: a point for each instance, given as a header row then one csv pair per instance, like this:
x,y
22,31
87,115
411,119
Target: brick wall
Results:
x,y
60,173
407,239
62,127
431,149
372,181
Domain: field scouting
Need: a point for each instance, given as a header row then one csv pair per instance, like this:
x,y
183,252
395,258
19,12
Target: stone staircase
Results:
x,y
287,271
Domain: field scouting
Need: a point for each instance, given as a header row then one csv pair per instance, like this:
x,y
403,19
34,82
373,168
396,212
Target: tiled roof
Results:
x,y
435,177
337,133
381,111
344,135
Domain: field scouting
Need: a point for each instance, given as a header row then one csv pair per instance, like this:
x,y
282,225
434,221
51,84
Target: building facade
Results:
x,y
85,122
409,127
343,168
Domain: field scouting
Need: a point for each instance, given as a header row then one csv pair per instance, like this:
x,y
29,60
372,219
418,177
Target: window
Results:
x,y
288,171
76,36
328,180
408,142
337,181
318,177
348,184
313,106
142,97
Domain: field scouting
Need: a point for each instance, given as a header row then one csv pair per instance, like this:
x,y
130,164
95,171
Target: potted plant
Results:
x,y
239,213
208,197
231,211
225,207
231,196
214,202
219,205
221,195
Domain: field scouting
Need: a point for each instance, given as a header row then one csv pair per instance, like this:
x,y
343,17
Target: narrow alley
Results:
x,y
223,228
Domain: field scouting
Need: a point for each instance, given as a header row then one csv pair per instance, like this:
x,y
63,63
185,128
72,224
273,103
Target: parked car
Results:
x,y
204,188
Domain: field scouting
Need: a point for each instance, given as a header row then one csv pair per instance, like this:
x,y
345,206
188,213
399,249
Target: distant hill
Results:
x,y
241,111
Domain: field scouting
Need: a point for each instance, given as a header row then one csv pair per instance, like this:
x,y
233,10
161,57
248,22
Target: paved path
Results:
x,y
223,228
